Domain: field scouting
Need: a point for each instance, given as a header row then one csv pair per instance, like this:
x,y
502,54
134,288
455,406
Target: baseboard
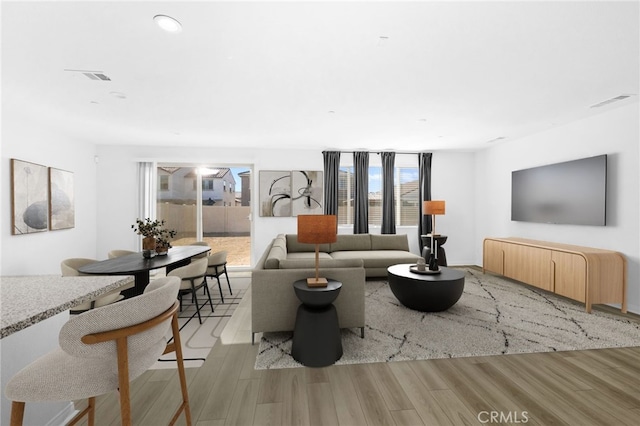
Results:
x,y
63,417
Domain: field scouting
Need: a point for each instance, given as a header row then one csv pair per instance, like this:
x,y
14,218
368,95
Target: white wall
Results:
x,y
615,133
40,253
453,174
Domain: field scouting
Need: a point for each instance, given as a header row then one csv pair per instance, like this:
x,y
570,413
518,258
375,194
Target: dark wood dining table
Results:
x,y
138,266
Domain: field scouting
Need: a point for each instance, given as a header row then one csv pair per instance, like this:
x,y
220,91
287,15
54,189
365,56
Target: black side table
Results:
x,y
316,336
426,250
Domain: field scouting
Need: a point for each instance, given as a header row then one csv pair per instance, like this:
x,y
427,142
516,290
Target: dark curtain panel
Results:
x,y
331,172
361,199
424,169
388,208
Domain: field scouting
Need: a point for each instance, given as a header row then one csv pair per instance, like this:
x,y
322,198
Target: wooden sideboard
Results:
x,y
585,274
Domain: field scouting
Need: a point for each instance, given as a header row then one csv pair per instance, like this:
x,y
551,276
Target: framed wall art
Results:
x,y
61,199
275,193
29,197
290,193
306,192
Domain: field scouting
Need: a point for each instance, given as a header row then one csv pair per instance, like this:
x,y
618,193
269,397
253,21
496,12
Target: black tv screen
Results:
x,y
573,192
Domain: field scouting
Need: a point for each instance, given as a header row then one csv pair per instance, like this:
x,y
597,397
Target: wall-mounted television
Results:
x,y
572,192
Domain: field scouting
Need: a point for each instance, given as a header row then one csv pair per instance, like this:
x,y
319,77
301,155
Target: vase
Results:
x,y
162,251
148,247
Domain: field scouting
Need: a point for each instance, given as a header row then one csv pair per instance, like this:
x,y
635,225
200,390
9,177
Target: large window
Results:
x,y
198,203
405,190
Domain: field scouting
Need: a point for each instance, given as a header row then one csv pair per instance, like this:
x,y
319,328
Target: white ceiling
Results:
x,y
377,75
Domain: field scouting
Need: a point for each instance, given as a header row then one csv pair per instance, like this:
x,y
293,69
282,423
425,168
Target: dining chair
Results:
x,y
69,268
200,243
192,278
217,265
118,253
101,351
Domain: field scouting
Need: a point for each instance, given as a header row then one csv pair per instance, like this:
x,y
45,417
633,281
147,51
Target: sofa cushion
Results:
x,y
308,255
293,246
351,242
323,263
377,258
277,252
389,242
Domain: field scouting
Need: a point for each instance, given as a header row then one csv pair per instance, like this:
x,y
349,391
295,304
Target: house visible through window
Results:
x,y
190,198
405,195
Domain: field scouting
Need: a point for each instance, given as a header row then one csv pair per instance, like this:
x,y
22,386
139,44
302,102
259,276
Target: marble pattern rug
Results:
x,y
493,316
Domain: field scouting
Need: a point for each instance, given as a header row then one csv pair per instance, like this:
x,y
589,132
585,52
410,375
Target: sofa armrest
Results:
x,y
274,303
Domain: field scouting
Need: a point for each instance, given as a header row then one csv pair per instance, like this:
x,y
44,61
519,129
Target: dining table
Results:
x,y
137,265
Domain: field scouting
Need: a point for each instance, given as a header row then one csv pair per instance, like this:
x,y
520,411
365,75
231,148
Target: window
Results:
x,y
375,196
405,190
163,182
407,185
345,196
207,184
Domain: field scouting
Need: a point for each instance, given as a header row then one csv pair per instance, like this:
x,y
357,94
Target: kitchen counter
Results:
x,y
27,300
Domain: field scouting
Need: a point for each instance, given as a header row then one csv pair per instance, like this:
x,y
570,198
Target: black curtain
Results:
x,y
424,170
331,173
361,199
388,207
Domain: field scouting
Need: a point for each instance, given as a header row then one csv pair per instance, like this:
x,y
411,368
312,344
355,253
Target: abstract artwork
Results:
x,y
61,202
306,192
29,197
290,193
275,193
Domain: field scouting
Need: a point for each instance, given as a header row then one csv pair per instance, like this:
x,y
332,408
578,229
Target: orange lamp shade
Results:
x,y
317,228
433,207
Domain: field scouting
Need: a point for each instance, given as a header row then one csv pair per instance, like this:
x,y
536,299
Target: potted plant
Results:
x,y
163,240
149,229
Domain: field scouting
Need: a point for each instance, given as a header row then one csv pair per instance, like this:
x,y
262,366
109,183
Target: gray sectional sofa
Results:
x,y
377,252
351,259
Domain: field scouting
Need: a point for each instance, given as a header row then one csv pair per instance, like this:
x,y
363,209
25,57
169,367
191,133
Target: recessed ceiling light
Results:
x,y
168,23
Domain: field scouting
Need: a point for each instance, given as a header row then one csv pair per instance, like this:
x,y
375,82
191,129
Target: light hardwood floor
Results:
x,y
594,387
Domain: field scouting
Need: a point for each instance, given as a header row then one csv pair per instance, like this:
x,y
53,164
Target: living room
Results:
x,y
474,179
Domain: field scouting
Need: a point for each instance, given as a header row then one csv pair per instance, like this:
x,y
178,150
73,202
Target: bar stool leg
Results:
x,y
17,413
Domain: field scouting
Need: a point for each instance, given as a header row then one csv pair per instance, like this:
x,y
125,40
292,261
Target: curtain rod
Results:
x,y
377,152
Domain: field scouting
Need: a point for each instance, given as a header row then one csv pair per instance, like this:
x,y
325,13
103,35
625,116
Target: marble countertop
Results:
x,y
27,300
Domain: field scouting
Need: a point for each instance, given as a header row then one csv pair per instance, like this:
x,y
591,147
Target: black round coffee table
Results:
x,y
426,292
316,335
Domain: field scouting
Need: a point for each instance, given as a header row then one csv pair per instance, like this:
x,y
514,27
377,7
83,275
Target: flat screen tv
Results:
x,y
572,192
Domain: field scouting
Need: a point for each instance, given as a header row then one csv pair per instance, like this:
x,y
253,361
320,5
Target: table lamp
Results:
x,y
433,208
317,229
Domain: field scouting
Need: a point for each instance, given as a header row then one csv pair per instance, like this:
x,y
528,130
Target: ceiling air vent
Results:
x,y
96,76
93,75
499,138
610,101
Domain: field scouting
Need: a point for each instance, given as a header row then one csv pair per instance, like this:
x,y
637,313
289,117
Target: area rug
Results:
x,y
494,316
198,339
